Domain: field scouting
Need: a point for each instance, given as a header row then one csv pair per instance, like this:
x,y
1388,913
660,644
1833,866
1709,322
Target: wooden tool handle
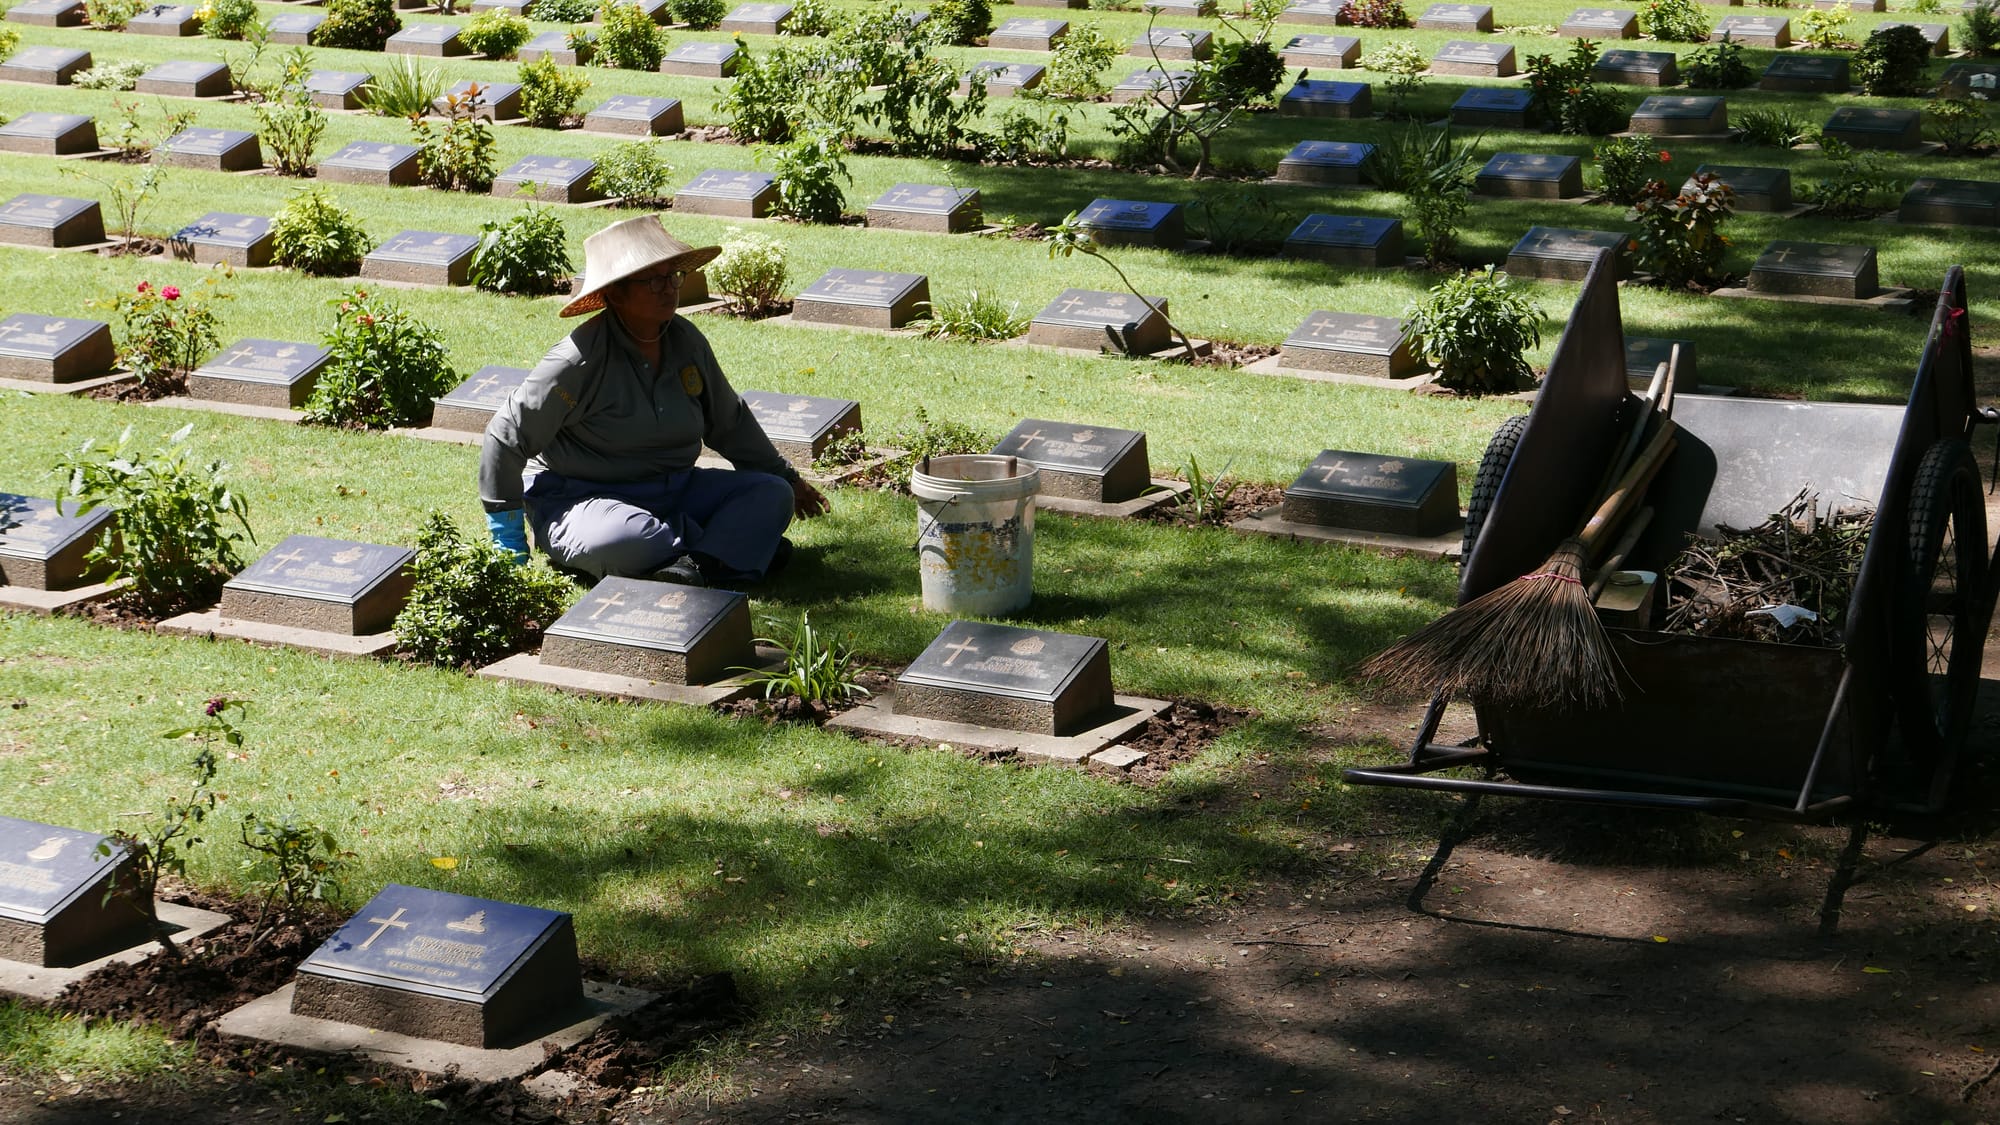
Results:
x,y
1625,544
1631,487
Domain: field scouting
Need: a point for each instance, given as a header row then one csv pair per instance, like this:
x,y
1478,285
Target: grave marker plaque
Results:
x,y
1328,52
1964,203
1566,255
61,903
1960,79
1099,321
48,13
1167,87
1531,175
655,631
29,219
511,7
49,134
1470,59
1807,74
927,207
336,89
556,47
1028,35
175,20
1173,44
1338,343
1009,678
1490,107
1195,7
446,967
737,195
294,29
1348,240
1757,189
422,257
1675,116
273,373
631,115
802,426
186,80
1876,127
656,10
372,162
1774,32
328,585
41,548
550,179
1855,5
1325,162
1131,222
1457,17
49,349
1600,23
1938,35
1003,79
703,60
1319,97
431,40
1643,355
468,407
214,150
1817,269
220,237
43,66
1050,4
1637,68
1370,492
1324,12
864,298
1092,463
492,101
757,19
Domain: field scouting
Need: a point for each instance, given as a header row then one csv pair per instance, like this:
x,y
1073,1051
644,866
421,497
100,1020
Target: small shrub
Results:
x,y
811,18
118,74
1825,28
958,22
1242,72
850,447
317,236
1030,128
1680,233
1377,13
1625,164
497,34
1674,21
227,19
129,198
549,93
111,15
1960,126
162,849
1857,183
470,603
628,39
1925,7
289,124
1716,66
169,530
1892,62
10,41
457,154
760,103
636,172
1979,28
699,15
527,254
1435,175
297,862
384,369
1077,65
168,332
1567,95
359,25
1476,329
1206,501
973,316
405,88
928,437
1405,68
1773,127
807,174
817,667
563,11
750,268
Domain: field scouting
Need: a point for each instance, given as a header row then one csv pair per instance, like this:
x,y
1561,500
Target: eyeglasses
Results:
x,y
662,282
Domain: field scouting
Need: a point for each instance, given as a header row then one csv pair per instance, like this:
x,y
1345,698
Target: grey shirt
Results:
x,y
594,410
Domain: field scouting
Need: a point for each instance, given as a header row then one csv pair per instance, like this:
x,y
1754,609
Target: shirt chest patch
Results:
x,y
691,380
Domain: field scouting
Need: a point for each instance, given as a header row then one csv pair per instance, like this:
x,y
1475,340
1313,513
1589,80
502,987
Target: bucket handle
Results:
x,y
1013,469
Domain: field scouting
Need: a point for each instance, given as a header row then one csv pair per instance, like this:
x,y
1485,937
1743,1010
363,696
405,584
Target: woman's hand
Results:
x,y
808,501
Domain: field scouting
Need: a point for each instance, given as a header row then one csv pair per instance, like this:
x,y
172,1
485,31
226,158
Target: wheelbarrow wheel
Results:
x,y
1935,617
1486,482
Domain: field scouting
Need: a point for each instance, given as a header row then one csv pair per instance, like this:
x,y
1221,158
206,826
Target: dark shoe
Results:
x,y
780,559
683,571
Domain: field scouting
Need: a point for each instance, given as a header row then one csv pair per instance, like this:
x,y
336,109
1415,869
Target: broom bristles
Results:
x,y
1535,642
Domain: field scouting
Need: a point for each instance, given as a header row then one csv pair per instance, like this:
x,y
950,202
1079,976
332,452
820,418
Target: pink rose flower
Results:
x,y
145,287
171,293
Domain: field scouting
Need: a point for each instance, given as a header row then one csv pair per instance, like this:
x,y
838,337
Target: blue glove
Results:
x,y
510,530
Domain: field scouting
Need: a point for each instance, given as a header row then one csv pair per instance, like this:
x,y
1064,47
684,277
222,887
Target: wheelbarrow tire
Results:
x,y
1934,620
1486,482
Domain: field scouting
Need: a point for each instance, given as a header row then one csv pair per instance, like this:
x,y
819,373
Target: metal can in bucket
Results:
x,y
975,532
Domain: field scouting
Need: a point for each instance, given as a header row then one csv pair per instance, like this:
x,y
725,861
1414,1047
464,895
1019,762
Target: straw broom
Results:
x,y
1535,642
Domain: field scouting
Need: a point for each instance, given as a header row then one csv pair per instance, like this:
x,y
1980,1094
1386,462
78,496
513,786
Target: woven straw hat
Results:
x,y
625,248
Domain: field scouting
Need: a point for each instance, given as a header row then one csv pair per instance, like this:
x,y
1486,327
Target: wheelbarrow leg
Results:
x,y
1455,832
1844,876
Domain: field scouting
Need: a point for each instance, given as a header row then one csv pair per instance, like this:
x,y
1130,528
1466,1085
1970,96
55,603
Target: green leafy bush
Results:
x,y
297,862
1960,126
1404,68
111,15
1030,128
1680,233
926,437
1716,66
384,369
636,172
549,93
406,87
1773,127
1979,28
563,11
762,102
1857,183
456,154
959,22
919,104
289,123
118,74
167,331
627,38
807,173
1476,330
471,603
1674,21
227,19
973,316
527,254
811,18
750,268
817,668
1077,65
1377,13
1892,62
317,236
1825,28
1567,95
699,15
359,25
496,33
10,41
1625,164
169,530
1434,174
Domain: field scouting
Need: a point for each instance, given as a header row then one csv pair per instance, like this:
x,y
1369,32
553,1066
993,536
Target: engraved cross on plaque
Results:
x,y
291,556
1069,304
957,650
244,352
1326,474
383,924
481,385
614,600
1030,439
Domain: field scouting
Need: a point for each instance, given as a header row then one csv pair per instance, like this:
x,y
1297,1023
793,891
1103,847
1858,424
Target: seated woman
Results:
x,y
599,443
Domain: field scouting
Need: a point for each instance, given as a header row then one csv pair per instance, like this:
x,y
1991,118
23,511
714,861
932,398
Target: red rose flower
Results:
x,y
171,293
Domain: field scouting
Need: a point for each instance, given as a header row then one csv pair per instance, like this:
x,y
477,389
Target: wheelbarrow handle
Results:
x,y
1631,487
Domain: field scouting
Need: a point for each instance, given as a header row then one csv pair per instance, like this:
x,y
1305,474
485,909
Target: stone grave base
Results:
x,y
1727,136
212,625
790,321
45,602
439,433
34,982
79,387
270,1019
1091,747
1166,492
1268,522
1274,365
240,409
1171,351
1890,299
527,668
877,455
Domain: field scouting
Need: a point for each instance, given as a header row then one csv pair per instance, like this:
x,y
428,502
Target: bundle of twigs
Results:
x,y
1800,557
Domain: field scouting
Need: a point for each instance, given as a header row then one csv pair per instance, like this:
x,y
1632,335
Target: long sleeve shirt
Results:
x,y
594,409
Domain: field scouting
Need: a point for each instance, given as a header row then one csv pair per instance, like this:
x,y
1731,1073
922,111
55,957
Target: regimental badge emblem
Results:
x,y
1082,436
691,380
672,599
473,923
351,555
49,849
1392,467
799,405
1027,646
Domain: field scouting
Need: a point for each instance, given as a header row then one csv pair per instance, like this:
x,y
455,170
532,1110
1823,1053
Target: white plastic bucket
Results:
x,y
976,533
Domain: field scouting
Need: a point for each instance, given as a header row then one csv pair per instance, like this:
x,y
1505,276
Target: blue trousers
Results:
x,y
632,529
